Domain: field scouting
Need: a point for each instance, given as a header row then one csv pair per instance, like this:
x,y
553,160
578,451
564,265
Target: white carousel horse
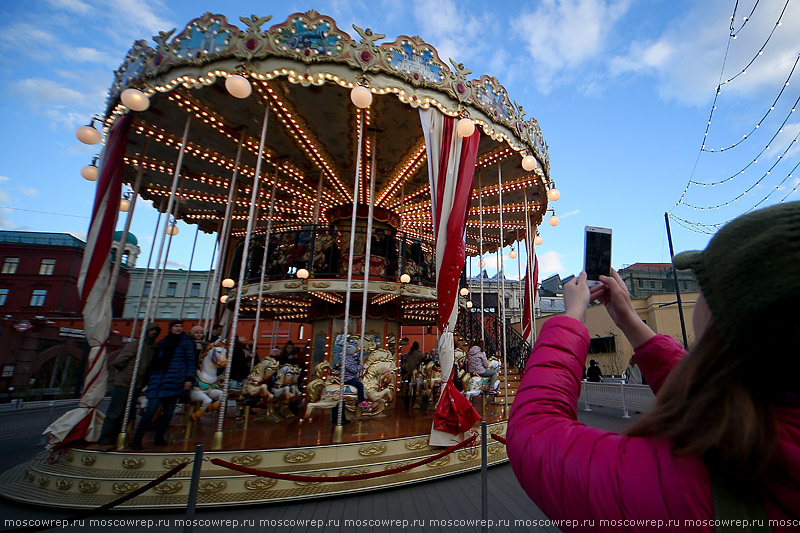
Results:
x,y
257,383
285,388
206,387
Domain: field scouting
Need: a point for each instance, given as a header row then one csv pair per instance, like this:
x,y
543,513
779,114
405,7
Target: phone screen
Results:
x,y
598,255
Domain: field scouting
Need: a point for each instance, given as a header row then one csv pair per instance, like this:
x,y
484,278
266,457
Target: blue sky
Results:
x,y
621,88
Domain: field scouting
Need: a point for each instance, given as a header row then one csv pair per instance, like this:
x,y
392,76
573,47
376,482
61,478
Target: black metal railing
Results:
x,y
517,348
323,250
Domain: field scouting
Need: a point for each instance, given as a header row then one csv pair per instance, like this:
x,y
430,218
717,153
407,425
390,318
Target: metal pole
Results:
x,y
531,264
216,442
677,288
188,274
209,294
337,433
503,284
146,272
484,478
264,267
481,263
367,253
124,238
197,466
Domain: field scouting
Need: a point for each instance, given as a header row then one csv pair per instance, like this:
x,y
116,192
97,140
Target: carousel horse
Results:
x,y
285,388
206,388
257,383
379,373
429,379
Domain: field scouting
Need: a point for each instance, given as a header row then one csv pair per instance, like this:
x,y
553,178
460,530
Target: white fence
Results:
x,y
619,395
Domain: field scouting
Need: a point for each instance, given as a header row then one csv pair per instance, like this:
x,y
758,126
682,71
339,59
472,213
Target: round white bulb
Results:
x,y
238,86
512,254
135,100
482,263
553,220
124,205
89,173
553,195
361,96
464,291
469,305
223,299
87,135
302,273
405,278
465,127
538,240
228,283
172,229
528,162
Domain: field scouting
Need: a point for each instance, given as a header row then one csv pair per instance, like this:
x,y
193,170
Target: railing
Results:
x,y
392,253
32,418
618,395
517,348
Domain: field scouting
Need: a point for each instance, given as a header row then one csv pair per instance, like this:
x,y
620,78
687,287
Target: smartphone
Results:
x,y
597,254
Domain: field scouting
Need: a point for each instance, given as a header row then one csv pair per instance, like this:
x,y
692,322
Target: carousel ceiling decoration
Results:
x,y
304,71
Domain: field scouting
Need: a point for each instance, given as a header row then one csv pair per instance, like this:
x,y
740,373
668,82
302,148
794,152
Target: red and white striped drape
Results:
x,y
85,421
451,169
527,332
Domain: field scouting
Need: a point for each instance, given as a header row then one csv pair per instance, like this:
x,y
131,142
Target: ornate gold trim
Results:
x,y
89,487
354,472
210,487
321,284
466,455
64,484
495,448
260,483
124,488
168,487
133,463
172,463
439,462
372,450
299,457
307,483
29,477
417,444
68,457
88,460
44,481
246,460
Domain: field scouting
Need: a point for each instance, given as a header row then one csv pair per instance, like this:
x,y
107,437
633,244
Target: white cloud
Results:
x,y
63,105
549,264
452,30
176,264
4,179
563,35
76,6
569,213
29,191
136,19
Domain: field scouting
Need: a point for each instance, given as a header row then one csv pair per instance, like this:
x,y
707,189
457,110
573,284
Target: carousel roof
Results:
x,y
303,70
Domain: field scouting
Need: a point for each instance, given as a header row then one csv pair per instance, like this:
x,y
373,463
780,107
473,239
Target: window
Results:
x,y
8,370
172,287
166,314
146,289
603,345
38,296
47,267
195,290
141,314
10,265
3,296
190,314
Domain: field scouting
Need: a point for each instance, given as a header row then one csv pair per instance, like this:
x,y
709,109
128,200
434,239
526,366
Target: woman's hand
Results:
x,y
576,297
613,293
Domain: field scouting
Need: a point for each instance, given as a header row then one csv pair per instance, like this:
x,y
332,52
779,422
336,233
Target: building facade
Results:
x,y
645,279
180,296
513,297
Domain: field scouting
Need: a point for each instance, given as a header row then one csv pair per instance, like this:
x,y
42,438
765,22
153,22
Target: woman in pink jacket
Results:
x,y
723,441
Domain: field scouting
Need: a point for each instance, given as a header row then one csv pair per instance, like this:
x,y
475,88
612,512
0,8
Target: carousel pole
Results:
x,y
188,273
216,442
163,266
515,288
481,263
367,254
531,264
209,294
122,438
339,430
124,238
224,234
146,272
264,267
503,284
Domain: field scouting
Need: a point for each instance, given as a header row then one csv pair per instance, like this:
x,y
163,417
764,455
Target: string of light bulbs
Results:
x,y
734,33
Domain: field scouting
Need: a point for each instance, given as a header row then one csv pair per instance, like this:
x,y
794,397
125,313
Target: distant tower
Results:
x,y
130,250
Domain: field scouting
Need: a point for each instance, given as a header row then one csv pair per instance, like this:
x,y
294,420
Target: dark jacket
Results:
x,y
123,364
166,380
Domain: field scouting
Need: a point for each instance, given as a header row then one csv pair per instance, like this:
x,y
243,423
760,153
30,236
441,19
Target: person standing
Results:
x,y
172,376
199,344
123,367
216,333
594,374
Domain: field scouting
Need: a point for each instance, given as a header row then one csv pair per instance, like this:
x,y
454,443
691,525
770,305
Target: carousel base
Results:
x,y
88,478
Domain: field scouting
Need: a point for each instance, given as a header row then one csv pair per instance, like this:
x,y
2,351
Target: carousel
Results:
x,y
348,181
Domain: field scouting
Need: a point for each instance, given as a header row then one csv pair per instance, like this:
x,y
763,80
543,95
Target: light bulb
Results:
x,y
124,205
464,291
361,96
238,86
538,240
228,283
405,278
553,221
88,134
469,305
89,173
553,194
465,127
223,299
512,254
302,273
172,229
482,263
135,100
528,162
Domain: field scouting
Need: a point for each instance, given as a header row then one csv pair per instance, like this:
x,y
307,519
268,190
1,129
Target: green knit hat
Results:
x,y
751,263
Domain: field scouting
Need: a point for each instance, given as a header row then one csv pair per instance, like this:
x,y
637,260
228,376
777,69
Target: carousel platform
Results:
x,y
86,478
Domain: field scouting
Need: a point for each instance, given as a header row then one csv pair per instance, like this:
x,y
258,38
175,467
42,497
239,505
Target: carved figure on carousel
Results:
x,y
428,382
285,390
206,388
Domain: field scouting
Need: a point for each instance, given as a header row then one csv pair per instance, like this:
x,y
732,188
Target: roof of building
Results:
x,y
131,238
35,238
647,267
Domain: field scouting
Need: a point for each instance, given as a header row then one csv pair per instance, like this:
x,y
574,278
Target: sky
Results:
x,y
622,89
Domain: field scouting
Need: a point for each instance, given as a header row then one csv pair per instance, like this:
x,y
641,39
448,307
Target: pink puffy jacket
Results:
x,y
587,475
